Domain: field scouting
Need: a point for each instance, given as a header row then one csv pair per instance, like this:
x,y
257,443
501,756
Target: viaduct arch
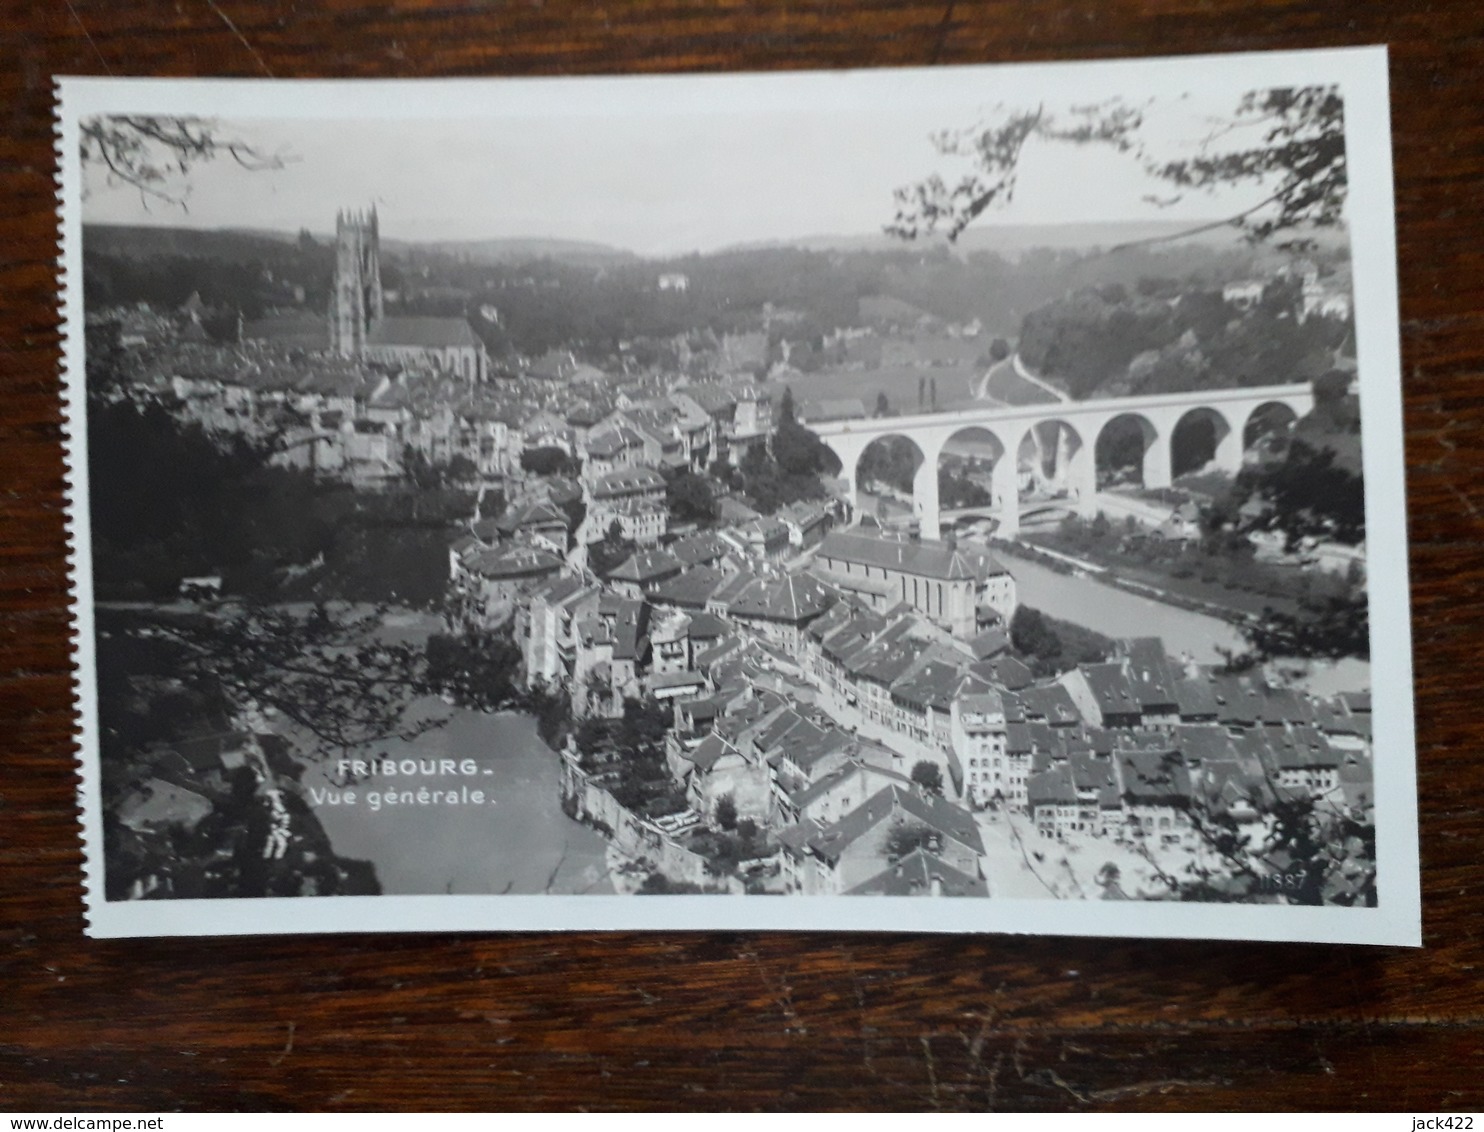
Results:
x,y
1073,464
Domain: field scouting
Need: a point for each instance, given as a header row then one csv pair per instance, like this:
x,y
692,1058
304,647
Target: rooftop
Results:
x,y
514,562
562,590
931,684
916,874
677,680
1052,787
701,548
1110,686
628,481
421,331
1154,777
949,820
982,703
536,513
1050,702
691,589
645,566
793,598
927,559
301,330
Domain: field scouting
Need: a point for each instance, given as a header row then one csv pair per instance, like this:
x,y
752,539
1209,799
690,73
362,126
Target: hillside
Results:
x,y
236,244
578,253
1009,241
1012,241
589,297
1166,337
141,241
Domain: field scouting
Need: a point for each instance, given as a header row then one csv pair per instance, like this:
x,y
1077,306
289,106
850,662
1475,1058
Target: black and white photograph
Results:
x,y
948,484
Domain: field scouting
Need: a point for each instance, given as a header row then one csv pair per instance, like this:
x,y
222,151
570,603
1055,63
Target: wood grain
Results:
x,y
728,1020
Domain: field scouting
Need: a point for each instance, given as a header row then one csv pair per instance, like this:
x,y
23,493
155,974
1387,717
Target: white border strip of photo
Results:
x,y
1361,73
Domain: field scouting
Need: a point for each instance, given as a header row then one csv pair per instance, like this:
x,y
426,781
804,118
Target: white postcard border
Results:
x,y
1362,75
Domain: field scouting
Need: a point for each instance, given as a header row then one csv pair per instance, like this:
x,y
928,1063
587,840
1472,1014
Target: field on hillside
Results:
x,y
956,385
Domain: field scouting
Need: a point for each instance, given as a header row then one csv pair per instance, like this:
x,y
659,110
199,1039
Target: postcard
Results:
x,y
908,500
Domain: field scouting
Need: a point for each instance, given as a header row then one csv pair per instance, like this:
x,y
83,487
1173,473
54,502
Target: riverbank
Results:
x,y
1111,575
1095,602
473,806
1234,586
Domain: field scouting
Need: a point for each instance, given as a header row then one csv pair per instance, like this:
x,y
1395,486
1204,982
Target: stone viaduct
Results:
x,y
1081,423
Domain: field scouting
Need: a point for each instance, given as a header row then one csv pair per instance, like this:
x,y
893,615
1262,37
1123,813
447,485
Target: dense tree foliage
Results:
x,y
1327,626
629,754
725,849
477,669
611,314
1316,488
908,837
955,489
798,451
430,475
481,670
610,551
156,690
929,776
1309,477
329,671
890,462
726,812
1221,568
1050,646
658,884
226,853
768,487
789,468
550,461
1313,495
1307,850
691,497
1107,342
1314,491
274,278
169,500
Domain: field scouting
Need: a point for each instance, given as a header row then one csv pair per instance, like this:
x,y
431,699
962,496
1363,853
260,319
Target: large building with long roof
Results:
x,y
961,589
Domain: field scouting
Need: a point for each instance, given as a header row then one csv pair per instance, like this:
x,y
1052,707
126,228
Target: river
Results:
x,y
513,839
1118,613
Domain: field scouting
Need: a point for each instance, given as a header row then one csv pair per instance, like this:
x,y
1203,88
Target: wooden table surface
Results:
x,y
741,1020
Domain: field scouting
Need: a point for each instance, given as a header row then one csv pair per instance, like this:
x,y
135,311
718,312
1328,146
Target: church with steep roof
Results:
x,y
357,325
361,328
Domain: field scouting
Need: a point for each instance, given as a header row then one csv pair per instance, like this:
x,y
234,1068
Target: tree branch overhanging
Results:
x,y
1300,149
151,153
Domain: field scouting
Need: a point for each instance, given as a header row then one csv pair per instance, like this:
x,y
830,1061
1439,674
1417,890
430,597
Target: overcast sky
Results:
x,y
657,184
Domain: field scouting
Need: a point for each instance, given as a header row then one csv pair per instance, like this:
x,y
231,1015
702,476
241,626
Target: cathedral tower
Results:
x,y
356,301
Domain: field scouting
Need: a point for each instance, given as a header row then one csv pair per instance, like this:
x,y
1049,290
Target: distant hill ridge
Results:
x,y
1010,241
520,250
238,243
147,240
